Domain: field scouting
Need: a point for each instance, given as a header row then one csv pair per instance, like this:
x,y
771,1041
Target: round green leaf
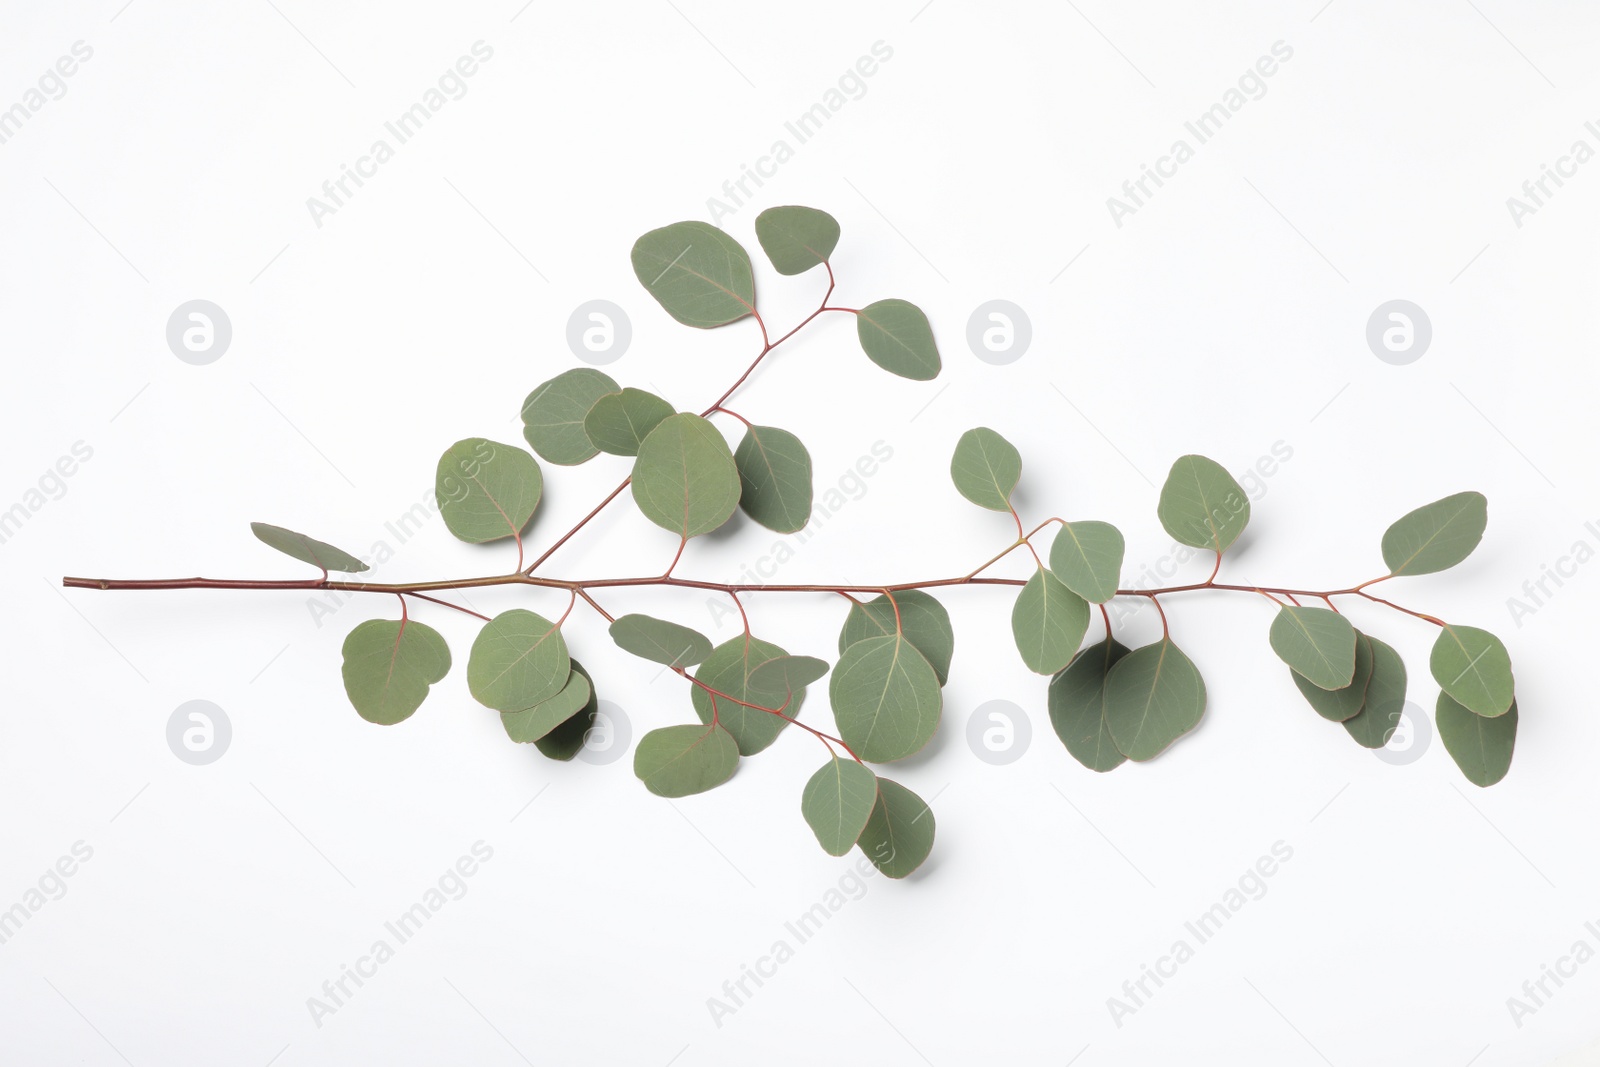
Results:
x,y
618,423
660,641
899,833
1087,557
1436,536
1337,705
1078,706
1386,698
779,678
728,670
1320,645
837,802
1481,746
567,739
923,620
1201,505
307,549
533,723
389,665
677,761
986,468
685,479
885,697
518,660
896,336
487,490
699,274
796,239
1154,695
553,414
1473,667
1048,622
774,478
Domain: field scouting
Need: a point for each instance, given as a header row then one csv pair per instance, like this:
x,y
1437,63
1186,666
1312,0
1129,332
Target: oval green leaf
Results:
x,y
518,660
660,641
986,468
553,414
307,549
685,479
837,802
678,761
1077,702
389,665
796,239
774,478
567,740
618,423
1481,746
1337,705
923,620
896,336
532,724
885,697
1385,701
779,678
728,670
1154,695
899,833
1436,536
1087,557
699,274
1318,644
487,490
1473,667
1048,622
1201,505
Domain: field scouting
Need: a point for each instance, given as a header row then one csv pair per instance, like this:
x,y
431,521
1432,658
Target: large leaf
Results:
x,y
553,414
1320,645
796,239
1154,695
837,802
774,478
885,698
567,740
1201,505
896,336
1473,667
728,670
1436,536
1087,557
307,549
1386,698
923,620
676,761
660,641
1337,705
532,724
388,667
618,423
1481,746
685,479
518,659
899,834
776,680
1048,622
487,490
986,468
1078,706
699,274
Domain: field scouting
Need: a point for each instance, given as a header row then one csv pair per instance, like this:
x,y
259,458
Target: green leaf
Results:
x,y
553,414
307,549
677,761
1386,698
885,698
774,478
389,665
618,423
567,740
728,670
1320,645
837,802
1337,705
1048,622
1078,706
1473,667
699,274
986,468
796,239
517,660
1480,746
685,479
1087,557
1154,695
923,620
660,641
1201,505
779,678
899,834
533,723
896,336
487,490
1436,536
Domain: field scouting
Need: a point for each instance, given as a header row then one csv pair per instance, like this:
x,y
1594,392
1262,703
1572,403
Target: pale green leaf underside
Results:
x,y
1385,702
1473,667
1201,505
1048,622
553,415
923,620
307,549
776,680
487,490
619,422
1078,707
677,761
1087,557
518,660
728,670
1318,644
1154,695
1436,536
899,833
796,239
1481,746
896,336
389,665
700,275
774,478
660,641
685,479
885,697
837,802
986,468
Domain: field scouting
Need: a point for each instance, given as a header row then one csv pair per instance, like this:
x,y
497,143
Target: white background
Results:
x,y
1225,316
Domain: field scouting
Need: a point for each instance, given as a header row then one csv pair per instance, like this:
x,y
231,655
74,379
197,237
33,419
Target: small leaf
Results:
x,y
1320,645
1386,698
699,274
779,678
618,423
307,549
885,698
837,802
685,479
533,723
774,478
1480,746
1078,706
1337,705
1436,536
517,660
567,740
923,620
1048,622
986,468
660,641
677,761
896,336
389,665
1201,505
899,834
797,239
1087,557
1473,667
487,490
728,670
552,415
1154,695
